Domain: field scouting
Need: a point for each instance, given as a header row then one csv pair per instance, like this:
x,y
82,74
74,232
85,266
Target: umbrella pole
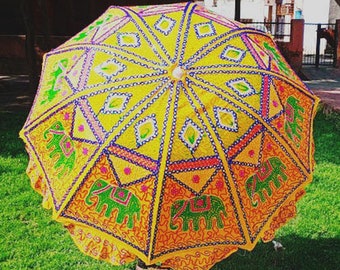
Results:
x,y
237,10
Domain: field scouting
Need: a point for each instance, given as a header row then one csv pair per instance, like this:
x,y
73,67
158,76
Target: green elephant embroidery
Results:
x,y
269,171
113,197
61,145
205,206
275,55
293,120
56,75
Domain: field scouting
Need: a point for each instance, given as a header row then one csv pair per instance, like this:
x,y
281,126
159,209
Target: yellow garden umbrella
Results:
x,y
171,134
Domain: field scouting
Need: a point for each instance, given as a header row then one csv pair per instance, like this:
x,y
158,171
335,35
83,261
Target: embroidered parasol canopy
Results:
x,y
171,134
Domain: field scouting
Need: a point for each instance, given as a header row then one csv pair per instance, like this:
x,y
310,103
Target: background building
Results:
x,y
275,16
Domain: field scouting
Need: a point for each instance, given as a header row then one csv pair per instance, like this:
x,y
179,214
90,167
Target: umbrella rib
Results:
x,y
232,69
114,50
110,86
205,85
224,161
183,36
216,42
153,41
129,55
168,133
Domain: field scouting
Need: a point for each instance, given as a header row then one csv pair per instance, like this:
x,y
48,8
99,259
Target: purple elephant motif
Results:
x,y
207,207
114,198
269,171
61,145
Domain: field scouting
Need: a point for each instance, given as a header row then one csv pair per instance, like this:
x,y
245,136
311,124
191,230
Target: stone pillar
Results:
x,y
337,43
295,46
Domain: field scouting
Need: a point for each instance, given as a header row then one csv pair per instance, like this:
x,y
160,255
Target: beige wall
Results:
x,y
334,11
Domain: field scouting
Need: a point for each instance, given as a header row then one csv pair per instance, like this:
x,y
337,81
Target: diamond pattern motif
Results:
x,y
204,29
226,119
115,103
242,87
110,68
165,25
232,53
128,40
191,134
146,130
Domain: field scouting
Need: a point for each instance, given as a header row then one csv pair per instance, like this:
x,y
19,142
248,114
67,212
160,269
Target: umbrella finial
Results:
x,y
177,73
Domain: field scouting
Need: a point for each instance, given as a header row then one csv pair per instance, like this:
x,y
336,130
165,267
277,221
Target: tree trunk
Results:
x,y
46,44
27,12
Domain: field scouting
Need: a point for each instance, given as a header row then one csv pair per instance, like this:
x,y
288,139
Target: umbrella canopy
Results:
x,y
169,133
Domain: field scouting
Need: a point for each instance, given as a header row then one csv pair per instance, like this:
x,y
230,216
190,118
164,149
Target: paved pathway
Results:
x,y
323,81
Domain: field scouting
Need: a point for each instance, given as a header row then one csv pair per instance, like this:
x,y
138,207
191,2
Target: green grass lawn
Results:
x,y
30,239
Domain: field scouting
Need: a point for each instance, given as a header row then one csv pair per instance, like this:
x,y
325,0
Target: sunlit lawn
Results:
x,y
29,239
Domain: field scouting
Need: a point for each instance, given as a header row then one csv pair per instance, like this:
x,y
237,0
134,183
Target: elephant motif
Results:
x,y
52,92
60,144
269,171
275,55
293,119
205,206
114,197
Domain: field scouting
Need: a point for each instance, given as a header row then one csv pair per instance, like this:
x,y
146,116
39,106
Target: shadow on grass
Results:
x,y
327,138
297,254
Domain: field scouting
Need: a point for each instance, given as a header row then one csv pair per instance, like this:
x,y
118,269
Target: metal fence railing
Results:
x,y
279,30
316,49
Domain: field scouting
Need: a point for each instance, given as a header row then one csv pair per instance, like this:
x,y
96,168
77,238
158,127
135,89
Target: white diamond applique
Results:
x,y
232,53
191,134
242,87
146,130
115,103
128,40
226,119
110,68
204,29
165,24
